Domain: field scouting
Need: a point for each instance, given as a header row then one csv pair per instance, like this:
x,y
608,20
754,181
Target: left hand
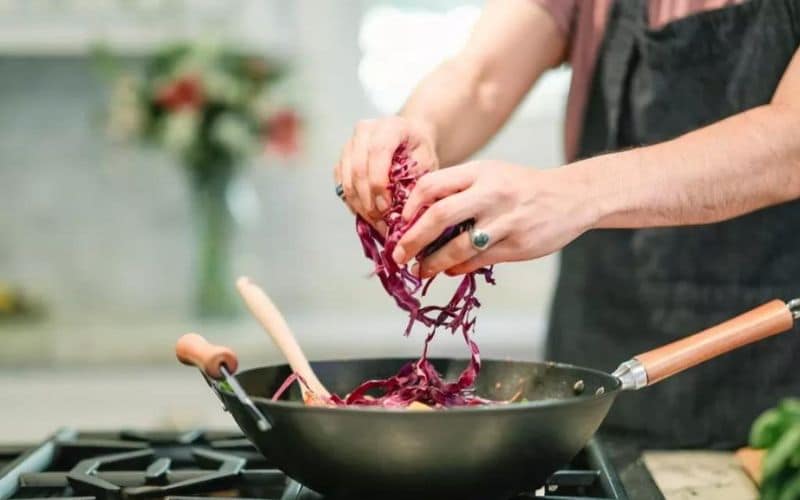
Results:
x,y
527,213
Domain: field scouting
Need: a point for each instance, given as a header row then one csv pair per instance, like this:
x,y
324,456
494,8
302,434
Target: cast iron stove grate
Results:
x,y
205,464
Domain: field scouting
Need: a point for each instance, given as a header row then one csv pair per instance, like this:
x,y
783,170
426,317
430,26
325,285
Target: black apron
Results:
x,y
622,292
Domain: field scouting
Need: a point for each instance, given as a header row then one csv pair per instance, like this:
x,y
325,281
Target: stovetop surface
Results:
x,y
197,464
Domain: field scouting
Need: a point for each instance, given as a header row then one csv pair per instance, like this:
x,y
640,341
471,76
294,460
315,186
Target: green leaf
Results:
x,y
770,490
790,407
779,455
767,428
795,460
791,489
103,62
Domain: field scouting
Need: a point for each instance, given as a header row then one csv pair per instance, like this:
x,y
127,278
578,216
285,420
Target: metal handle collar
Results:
x,y
794,307
631,374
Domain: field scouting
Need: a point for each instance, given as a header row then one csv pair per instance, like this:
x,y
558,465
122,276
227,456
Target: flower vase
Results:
x,y
214,229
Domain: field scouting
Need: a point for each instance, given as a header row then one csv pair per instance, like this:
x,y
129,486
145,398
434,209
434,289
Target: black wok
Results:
x,y
468,452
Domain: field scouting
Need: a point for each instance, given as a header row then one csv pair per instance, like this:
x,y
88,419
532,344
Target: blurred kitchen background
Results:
x,y
100,258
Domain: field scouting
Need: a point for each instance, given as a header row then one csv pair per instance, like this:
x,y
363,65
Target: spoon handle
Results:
x,y
268,315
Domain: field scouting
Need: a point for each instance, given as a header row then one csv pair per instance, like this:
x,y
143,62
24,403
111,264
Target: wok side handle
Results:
x,y
193,349
218,363
650,367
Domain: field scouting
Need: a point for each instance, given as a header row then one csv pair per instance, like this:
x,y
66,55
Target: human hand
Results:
x,y
527,213
363,169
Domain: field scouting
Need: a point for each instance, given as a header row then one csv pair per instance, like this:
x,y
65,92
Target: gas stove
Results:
x,y
198,464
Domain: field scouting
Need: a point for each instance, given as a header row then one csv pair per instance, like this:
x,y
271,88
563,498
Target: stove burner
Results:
x,y
198,464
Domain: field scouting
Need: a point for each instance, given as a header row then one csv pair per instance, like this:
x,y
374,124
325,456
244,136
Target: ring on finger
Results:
x,y
479,239
340,190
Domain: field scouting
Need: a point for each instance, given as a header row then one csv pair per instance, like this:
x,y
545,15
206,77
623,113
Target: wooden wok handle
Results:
x,y
192,349
769,319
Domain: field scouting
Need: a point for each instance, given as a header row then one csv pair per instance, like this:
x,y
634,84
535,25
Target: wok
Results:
x,y
467,452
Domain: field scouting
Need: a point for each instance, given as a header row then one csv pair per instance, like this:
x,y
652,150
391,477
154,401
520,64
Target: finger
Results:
x,y
378,226
500,252
425,159
337,175
436,219
358,163
460,250
436,185
337,179
379,158
350,196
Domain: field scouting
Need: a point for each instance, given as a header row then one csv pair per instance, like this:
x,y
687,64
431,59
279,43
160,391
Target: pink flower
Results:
x,y
282,132
184,93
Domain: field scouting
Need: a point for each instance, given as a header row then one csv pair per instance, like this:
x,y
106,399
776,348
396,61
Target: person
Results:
x,y
677,208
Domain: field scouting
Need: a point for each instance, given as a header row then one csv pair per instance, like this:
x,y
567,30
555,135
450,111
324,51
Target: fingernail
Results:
x,y
399,254
381,204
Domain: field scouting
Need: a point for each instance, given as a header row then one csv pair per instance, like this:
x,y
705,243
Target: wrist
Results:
x,y
599,194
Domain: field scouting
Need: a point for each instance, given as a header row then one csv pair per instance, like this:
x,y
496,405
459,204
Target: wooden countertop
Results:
x,y
711,475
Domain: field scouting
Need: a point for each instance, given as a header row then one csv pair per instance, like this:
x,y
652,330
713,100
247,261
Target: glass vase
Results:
x,y
214,230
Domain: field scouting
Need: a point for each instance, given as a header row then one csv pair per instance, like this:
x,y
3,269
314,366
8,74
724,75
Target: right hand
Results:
x,y
363,169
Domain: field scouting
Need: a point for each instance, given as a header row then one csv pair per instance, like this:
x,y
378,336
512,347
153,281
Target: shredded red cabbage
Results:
x,y
417,381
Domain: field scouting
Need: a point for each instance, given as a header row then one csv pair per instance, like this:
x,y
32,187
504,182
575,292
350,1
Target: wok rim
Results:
x,y
491,408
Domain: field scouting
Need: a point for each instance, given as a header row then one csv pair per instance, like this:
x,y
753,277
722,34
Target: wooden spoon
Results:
x,y
271,319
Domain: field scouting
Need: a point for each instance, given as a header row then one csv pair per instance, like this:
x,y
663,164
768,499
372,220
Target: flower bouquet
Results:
x,y
211,106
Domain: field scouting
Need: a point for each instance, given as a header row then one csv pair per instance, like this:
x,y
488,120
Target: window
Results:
x,y
402,41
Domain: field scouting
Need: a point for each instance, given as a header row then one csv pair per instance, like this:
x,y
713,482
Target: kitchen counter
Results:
x,y
35,402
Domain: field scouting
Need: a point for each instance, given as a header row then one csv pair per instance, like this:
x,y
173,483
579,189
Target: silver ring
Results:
x,y
340,191
479,239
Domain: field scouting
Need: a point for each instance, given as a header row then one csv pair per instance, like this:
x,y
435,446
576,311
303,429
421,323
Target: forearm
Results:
x,y
450,107
465,101
741,164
